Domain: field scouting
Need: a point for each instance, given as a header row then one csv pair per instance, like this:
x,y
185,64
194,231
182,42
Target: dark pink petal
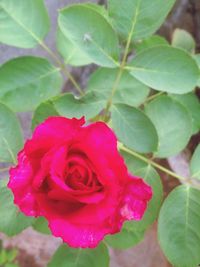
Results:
x,y
99,144
136,197
57,128
21,185
78,235
60,188
53,131
90,197
88,211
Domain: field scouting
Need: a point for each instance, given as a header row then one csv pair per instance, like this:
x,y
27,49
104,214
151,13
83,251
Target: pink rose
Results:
x,y
74,176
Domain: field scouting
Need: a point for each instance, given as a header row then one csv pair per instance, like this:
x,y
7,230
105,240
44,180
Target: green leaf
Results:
x,y
134,164
12,221
66,256
69,106
11,265
42,112
33,80
150,42
194,164
134,128
191,102
3,183
11,139
178,227
12,254
100,9
89,31
152,178
129,90
41,225
71,53
127,238
150,175
184,40
3,256
165,68
23,24
197,59
173,124
133,231
138,18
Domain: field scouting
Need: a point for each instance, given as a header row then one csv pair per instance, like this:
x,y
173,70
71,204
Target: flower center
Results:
x,y
79,174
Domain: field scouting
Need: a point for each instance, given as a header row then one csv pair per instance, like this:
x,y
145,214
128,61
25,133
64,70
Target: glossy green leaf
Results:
x,y
69,106
165,68
138,18
173,124
66,256
195,163
150,42
23,23
178,227
191,102
127,238
41,225
91,32
184,40
129,90
11,139
42,112
134,128
27,81
12,221
71,53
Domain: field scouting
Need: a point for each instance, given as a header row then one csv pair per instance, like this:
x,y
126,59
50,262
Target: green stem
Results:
x,y
152,163
121,67
62,67
153,96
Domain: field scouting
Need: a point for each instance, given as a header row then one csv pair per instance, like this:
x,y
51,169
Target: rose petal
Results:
x,y
53,131
20,183
136,196
78,236
100,145
55,128
74,211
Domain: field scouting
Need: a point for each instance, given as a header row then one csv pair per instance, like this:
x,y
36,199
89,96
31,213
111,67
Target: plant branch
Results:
x,y
62,67
154,164
122,65
153,96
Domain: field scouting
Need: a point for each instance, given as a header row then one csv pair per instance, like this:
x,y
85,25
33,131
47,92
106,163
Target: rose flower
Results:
x,y
74,176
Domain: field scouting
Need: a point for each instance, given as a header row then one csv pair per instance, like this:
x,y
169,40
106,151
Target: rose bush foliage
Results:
x,y
80,177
